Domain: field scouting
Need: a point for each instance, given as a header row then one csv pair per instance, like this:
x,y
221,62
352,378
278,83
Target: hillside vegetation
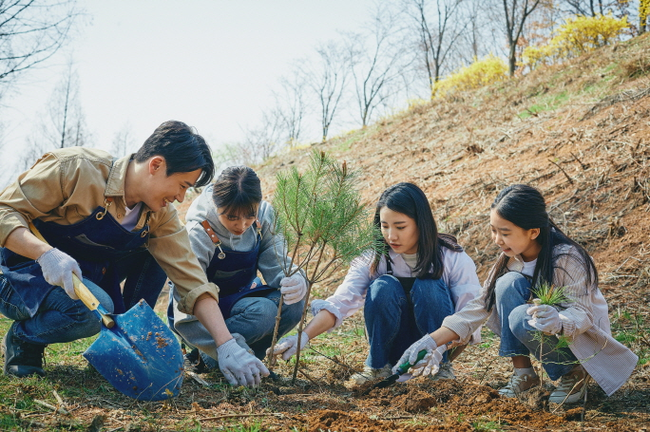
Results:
x,y
579,131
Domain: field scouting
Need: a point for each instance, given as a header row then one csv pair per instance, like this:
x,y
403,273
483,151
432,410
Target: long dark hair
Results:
x,y
237,189
408,199
525,207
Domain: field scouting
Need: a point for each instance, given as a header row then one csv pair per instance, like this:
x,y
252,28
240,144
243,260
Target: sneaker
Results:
x,y
193,362
572,387
519,384
22,359
370,374
446,371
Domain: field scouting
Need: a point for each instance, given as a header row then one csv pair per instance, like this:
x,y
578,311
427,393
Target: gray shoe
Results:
x,y
572,387
370,374
446,371
519,384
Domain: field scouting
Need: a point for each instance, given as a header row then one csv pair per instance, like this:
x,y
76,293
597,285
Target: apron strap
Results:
x,y
210,232
213,236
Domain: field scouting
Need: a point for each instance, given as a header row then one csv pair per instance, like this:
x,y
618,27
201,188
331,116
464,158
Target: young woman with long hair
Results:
x,y
407,288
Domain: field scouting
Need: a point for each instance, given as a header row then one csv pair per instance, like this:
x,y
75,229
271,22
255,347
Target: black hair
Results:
x,y
524,206
237,189
408,199
184,150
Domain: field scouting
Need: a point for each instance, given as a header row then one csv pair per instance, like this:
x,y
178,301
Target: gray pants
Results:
x,y
251,317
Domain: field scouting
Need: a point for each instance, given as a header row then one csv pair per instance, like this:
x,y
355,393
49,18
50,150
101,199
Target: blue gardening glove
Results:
x,y
411,354
239,366
293,288
545,318
288,346
57,269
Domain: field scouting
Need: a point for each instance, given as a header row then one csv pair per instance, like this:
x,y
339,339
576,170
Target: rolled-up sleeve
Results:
x,y
468,320
170,246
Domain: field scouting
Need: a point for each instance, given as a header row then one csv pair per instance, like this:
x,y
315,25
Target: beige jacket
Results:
x,y
585,321
65,186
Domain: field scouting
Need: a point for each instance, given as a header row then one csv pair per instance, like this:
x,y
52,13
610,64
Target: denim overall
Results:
x,y
400,310
234,273
107,254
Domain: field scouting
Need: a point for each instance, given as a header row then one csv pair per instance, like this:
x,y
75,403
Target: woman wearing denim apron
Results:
x,y
534,251
231,232
406,290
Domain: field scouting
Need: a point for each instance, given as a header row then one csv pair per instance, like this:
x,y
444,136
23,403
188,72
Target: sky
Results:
x,y
209,63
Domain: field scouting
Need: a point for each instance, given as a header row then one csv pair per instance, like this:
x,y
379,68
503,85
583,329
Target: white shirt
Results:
x,y
459,274
529,267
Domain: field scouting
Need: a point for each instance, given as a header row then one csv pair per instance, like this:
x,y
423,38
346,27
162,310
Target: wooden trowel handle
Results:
x,y
80,289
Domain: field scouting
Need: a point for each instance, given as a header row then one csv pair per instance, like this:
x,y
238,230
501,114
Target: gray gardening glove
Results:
x,y
545,318
57,269
239,366
288,346
293,288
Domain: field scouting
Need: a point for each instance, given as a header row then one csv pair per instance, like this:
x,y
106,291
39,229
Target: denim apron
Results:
x,y
106,253
406,282
234,272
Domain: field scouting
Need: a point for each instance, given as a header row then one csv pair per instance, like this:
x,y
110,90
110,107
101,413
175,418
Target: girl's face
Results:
x,y
400,231
514,240
237,222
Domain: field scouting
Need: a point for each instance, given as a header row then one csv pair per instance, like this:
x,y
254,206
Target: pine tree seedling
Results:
x,y
325,225
549,294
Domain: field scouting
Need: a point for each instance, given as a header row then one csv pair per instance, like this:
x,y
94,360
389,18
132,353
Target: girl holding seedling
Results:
x,y
570,334
407,288
231,232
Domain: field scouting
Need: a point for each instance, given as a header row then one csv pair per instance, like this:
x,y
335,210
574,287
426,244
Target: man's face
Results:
x,y
165,189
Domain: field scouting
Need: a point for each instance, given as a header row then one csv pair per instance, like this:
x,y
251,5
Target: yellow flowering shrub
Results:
x,y
576,36
644,10
478,74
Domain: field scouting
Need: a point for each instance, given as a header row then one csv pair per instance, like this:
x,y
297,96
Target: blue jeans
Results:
x,y
58,319
252,317
518,338
393,324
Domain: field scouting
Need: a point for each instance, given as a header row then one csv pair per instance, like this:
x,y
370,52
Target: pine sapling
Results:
x,y
548,294
324,224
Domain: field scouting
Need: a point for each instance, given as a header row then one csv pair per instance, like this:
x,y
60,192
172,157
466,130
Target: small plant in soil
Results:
x,y
548,294
325,225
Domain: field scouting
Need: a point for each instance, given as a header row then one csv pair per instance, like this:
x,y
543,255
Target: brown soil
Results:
x,y
590,157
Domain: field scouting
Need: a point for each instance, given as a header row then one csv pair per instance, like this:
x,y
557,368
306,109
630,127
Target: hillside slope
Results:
x,y
580,132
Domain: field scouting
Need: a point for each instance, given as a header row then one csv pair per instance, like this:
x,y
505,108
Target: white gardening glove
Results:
x,y
293,288
430,364
239,366
545,318
57,269
411,354
288,346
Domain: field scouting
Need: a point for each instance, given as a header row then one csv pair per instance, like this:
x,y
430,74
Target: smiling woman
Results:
x,y
535,253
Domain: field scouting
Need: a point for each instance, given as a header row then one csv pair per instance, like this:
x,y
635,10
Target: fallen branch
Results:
x,y
563,172
197,378
51,407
